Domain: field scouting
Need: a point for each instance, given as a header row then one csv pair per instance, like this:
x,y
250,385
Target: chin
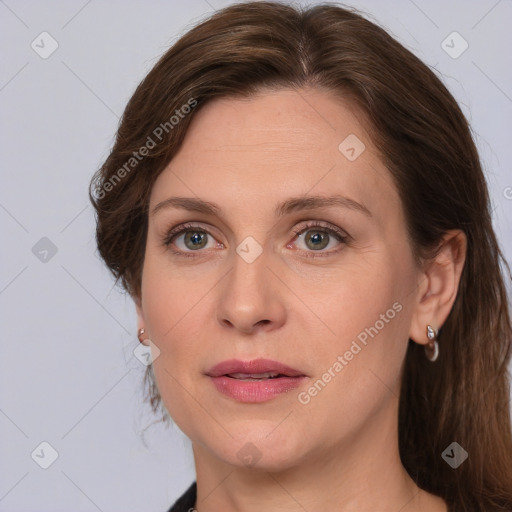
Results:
x,y
258,447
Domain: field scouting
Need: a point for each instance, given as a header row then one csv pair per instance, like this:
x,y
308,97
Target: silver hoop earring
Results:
x,y
432,347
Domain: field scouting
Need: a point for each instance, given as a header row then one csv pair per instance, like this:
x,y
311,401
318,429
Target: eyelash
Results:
x,y
338,234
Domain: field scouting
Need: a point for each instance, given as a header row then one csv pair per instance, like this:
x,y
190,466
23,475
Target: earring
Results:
x,y
432,347
140,334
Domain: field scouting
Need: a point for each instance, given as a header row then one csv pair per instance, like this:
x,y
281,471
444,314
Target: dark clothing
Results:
x,y
186,501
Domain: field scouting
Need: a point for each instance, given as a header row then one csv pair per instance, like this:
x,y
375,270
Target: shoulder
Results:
x,y
186,502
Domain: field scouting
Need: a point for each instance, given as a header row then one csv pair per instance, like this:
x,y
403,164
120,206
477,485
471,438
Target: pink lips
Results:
x,y
254,381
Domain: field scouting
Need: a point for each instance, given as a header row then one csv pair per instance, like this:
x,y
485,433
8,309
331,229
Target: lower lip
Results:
x,y
254,391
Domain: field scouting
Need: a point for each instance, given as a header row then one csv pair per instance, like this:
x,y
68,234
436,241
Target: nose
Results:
x,y
251,298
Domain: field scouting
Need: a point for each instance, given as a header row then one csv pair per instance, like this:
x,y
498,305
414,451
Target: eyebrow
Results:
x,y
291,205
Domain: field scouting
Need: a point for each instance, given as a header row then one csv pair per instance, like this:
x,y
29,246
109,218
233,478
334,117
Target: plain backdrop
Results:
x,y
68,375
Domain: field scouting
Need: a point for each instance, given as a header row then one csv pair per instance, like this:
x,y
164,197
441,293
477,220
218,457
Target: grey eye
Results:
x,y
195,239
316,239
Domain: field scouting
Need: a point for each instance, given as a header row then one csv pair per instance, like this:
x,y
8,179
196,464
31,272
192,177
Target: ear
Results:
x,y
438,285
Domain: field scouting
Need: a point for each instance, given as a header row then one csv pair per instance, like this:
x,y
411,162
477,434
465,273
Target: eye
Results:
x,y
316,236
193,238
190,238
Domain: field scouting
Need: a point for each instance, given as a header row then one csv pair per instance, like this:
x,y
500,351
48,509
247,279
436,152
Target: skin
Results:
x,y
340,450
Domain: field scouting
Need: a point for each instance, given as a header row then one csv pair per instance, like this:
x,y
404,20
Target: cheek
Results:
x,y
368,314
362,300
172,297
358,372
174,321
171,305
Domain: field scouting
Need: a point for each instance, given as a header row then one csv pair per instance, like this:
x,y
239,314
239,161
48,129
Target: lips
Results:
x,y
254,381
257,369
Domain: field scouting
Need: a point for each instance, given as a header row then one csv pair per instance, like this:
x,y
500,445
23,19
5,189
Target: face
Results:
x,y
289,262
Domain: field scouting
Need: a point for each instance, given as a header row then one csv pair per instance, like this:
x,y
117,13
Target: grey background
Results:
x,y
67,372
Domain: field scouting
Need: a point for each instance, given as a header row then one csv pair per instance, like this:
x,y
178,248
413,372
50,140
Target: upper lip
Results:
x,y
256,366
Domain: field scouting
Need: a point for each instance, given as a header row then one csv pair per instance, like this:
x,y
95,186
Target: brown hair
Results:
x,y
427,146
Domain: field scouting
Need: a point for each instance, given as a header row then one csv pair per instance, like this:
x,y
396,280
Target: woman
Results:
x,y
295,204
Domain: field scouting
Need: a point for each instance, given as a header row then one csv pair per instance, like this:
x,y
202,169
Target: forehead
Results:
x,y
278,122
261,149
